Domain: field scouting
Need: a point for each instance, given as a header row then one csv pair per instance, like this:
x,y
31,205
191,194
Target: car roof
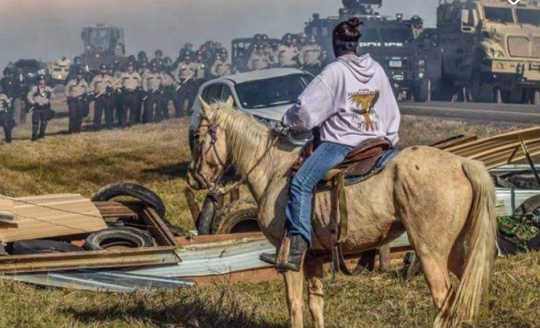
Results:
x,y
261,74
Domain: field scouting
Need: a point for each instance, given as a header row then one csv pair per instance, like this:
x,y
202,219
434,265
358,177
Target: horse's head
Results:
x,y
210,157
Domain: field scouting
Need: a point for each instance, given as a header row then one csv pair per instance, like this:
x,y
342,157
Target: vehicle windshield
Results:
x,y
99,39
528,16
396,35
501,15
272,92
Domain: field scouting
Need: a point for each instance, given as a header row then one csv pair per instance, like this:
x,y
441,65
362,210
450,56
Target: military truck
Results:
x,y
103,44
390,41
491,50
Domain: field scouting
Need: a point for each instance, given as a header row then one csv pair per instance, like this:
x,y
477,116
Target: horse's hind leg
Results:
x,y
314,277
436,273
295,293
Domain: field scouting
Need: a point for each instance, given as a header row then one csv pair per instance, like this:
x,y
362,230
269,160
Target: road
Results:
x,y
509,113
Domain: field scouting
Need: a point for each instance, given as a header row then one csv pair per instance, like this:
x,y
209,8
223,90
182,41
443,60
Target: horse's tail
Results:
x,y
481,245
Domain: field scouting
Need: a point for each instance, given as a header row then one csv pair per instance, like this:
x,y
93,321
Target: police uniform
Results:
x,y
39,98
287,56
153,84
130,84
257,60
310,58
102,86
6,116
77,93
220,68
184,76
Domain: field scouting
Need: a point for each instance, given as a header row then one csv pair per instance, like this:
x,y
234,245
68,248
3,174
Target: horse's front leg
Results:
x,y
295,293
314,277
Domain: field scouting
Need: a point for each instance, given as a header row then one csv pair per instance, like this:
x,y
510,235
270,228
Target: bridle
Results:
x,y
212,127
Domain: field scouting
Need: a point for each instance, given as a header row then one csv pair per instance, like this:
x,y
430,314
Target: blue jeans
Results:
x,y
323,159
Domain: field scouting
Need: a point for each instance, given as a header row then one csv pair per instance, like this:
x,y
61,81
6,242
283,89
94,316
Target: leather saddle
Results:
x,y
359,162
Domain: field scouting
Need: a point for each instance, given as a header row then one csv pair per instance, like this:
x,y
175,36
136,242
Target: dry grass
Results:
x,y
156,155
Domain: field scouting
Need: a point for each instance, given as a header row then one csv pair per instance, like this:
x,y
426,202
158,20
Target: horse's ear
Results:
x,y
230,101
204,106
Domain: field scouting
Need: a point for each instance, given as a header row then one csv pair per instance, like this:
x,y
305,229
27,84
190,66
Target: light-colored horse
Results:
x,y
445,203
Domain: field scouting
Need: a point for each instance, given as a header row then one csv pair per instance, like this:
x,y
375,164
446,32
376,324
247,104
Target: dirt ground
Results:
x,y
157,156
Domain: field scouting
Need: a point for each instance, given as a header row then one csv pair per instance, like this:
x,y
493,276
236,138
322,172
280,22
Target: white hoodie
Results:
x,y
351,100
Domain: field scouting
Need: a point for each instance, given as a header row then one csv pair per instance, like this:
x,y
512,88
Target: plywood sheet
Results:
x,y
52,216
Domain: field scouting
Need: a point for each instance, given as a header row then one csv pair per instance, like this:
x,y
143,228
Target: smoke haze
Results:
x,y
50,29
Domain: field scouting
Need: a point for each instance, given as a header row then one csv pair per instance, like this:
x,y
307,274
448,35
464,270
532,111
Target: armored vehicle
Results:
x,y
491,50
103,44
390,41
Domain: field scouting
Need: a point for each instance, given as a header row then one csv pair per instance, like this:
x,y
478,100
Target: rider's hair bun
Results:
x,y
354,22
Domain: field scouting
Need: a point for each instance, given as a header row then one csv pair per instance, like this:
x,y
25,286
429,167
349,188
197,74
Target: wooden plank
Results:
x,y
115,210
52,216
158,228
89,259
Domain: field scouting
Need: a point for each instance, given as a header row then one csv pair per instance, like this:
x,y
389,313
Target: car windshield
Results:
x,y
502,15
272,92
528,16
396,35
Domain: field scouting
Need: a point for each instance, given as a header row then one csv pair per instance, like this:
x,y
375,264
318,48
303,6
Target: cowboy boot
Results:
x,y
296,256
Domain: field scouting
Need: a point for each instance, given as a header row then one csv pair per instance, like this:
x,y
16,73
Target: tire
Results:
x,y
134,190
41,246
238,217
140,193
127,237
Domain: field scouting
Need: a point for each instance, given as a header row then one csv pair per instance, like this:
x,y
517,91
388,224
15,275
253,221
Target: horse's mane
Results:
x,y
245,135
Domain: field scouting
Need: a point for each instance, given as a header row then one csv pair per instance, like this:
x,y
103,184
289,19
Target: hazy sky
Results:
x,y
47,29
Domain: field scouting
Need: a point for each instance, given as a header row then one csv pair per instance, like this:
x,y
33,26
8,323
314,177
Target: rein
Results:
x,y
215,190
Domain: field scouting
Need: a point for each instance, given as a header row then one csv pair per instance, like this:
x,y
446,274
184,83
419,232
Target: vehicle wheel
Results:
x,y
41,246
238,217
118,238
138,192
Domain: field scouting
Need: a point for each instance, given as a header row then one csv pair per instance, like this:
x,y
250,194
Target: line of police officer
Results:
x,y
293,51
139,93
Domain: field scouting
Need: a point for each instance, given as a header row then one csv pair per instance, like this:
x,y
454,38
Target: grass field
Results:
x,y
157,156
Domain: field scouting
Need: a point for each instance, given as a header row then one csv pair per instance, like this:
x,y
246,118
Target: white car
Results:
x,y
266,94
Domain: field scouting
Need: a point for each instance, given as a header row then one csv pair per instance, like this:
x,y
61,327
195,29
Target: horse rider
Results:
x,y
130,84
333,102
77,93
6,115
39,100
102,87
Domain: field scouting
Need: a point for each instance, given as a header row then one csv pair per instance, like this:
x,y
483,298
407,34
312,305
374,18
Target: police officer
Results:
x,y
310,57
153,85
130,85
141,57
6,115
143,69
158,56
258,60
287,52
102,87
183,77
77,97
221,66
39,99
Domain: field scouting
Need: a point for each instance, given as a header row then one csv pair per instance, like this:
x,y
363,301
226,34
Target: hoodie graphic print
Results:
x,y
351,100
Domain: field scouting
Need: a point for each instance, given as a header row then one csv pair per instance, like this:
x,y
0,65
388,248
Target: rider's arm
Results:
x,y
315,105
